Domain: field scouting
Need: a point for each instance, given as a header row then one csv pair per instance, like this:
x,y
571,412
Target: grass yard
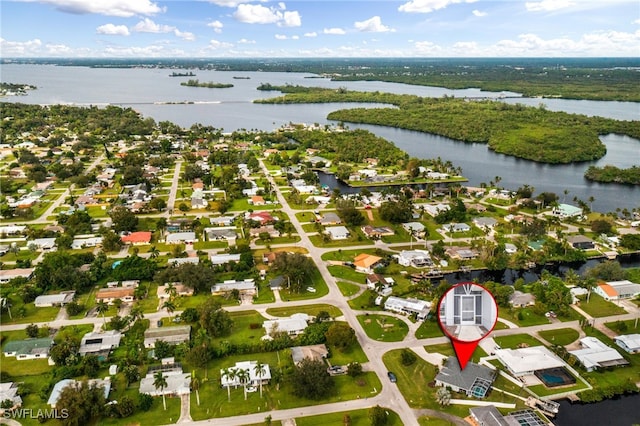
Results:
x,y
562,336
312,310
348,289
242,331
321,289
524,317
365,301
625,327
513,341
598,307
357,417
384,328
346,273
24,313
429,328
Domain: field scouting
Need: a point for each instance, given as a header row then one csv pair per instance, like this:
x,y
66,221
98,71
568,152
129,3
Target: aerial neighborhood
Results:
x,y
176,275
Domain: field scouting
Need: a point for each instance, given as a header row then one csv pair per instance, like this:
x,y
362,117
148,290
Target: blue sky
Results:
x,y
320,28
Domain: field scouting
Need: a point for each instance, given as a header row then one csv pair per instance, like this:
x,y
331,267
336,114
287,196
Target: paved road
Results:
x,y
174,189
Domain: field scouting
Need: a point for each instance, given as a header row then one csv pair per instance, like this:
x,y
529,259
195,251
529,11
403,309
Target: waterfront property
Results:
x,y
566,211
629,342
490,416
519,299
580,242
616,290
525,361
595,354
415,258
475,380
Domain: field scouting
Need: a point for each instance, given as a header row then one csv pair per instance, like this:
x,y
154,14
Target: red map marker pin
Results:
x,y
467,313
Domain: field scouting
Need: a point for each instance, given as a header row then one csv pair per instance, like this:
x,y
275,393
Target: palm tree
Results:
x,y
101,308
229,374
243,377
136,312
170,306
6,303
160,382
154,252
260,370
195,386
170,289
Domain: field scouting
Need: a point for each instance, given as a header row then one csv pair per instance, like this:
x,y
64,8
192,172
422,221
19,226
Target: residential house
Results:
x,y
488,415
7,275
12,229
435,209
177,261
595,354
377,231
519,299
43,243
60,299
255,377
100,344
525,361
510,248
226,233
456,227
181,238
172,335
475,380
629,342
222,220
268,229
293,326
223,259
415,258
415,228
366,263
109,295
330,219
137,238
461,253
312,352
565,211
301,186
485,223
581,242
245,287
180,289
28,348
257,200
9,392
616,290
197,200
337,232
263,217
408,306
276,283
80,243
58,387
178,383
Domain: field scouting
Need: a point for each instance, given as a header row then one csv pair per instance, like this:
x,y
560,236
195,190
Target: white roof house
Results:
x,y
294,325
43,243
408,306
566,210
524,361
181,237
457,227
58,387
7,275
9,391
171,335
614,290
59,299
416,258
249,367
416,227
629,342
247,286
338,232
178,383
79,243
595,354
435,209
100,343
221,259
177,261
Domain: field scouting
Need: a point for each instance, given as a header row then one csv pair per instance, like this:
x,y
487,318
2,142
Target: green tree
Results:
x,y
229,374
311,380
101,309
378,416
111,241
260,370
296,268
32,330
341,336
123,219
83,403
160,382
214,319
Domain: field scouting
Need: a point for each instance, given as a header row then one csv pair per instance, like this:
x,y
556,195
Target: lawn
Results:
x,y
214,399
316,282
562,336
365,301
598,307
625,327
384,328
311,310
357,417
346,273
515,340
348,289
247,327
27,313
524,317
429,328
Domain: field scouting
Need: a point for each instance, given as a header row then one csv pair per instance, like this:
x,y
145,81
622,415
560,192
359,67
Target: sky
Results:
x,y
319,28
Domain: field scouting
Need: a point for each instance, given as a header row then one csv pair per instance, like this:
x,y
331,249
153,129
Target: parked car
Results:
x,y
392,377
551,314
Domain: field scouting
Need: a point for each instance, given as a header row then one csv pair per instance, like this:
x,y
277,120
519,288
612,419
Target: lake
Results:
x,y
148,89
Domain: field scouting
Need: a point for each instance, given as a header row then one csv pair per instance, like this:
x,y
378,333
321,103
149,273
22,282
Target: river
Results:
x,y
148,91
621,411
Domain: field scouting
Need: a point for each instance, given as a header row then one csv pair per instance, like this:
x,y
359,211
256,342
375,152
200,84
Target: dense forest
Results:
x,y
353,146
100,125
526,132
614,174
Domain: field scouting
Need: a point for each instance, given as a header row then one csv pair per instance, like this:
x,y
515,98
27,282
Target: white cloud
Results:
x,y
637,21
427,48
290,19
111,29
148,26
478,13
311,34
280,37
216,25
245,41
428,6
295,37
548,5
373,25
216,44
123,8
334,31
184,35
19,48
225,3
